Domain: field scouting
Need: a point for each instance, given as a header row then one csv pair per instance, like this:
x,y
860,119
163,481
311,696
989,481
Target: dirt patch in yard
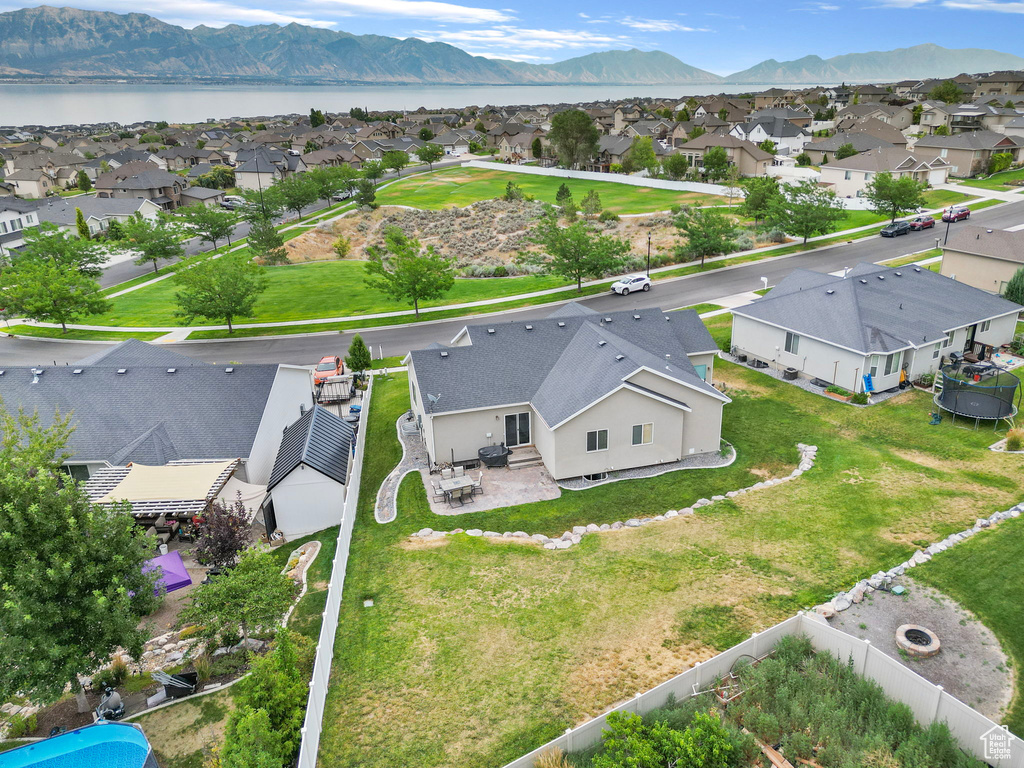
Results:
x,y
971,664
182,734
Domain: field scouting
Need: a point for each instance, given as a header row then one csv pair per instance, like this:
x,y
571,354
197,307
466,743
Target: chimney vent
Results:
x,y
636,317
229,370
529,327
490,330
601,343
172,370
444,354
620,357
122,371
561,325
77,371
829,291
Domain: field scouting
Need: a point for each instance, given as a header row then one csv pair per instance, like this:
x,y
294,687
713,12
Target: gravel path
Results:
x,y
970,666
709,460
414,456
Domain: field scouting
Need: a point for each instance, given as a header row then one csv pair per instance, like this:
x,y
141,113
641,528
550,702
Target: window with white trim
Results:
x,y
985,326
949,339
936,351
892,362
597,440
792,343
643,434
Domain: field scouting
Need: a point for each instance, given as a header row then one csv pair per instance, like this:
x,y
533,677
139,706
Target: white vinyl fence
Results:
x,y
927,701
321,679
612,178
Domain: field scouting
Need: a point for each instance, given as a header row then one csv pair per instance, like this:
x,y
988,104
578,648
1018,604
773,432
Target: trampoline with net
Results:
x,y
979,391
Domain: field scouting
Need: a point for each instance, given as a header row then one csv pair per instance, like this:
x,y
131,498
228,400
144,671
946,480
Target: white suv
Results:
x,y
631,283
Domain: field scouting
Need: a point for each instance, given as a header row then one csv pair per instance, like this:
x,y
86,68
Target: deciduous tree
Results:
x,y
403,272
316,118
51,292
366,193
574,137
250,741
395,160
640,156
893,197
768,146
373,170
251,596
763,196
426,134
709,232
591,204
49,243
151,241
84,182
947,91
676,166
297,191
715,162
577,251
430,154
1015,287
999,161
210,225
845,151
220,288
807,209
223,534
74,590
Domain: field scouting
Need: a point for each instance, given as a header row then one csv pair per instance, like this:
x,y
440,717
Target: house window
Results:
x,y
892,364
848,175
702,371
949,339
936,351
643,434
16,225
597,440
792,343
985,326
1002,286
28,219
3,227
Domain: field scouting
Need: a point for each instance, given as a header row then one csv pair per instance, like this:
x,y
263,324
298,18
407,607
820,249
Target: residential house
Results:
x,y
517,149
935,115
799,117
773,97
110,178
789,138
626,114
824,150
161,187
15,217
871,94
657,129
258,168
850,176
457,142
982,258
1015,128
137,402
876,320
380,130
873,127
32,183
589,392
1002,85
183,158
98,211
899,117
969,153
211,198
308,484
749,158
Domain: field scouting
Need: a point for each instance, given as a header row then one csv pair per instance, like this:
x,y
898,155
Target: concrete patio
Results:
x,y
503,487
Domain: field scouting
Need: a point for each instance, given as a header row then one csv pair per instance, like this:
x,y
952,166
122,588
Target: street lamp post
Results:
x,y
948,222
648,254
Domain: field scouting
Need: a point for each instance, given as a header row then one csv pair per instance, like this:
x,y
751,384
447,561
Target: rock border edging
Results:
x,y
808,454
856,594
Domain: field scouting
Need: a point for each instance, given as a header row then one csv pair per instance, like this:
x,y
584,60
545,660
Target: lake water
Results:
x,y
32,104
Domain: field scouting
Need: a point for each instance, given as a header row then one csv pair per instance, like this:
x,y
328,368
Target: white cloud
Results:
x,y
584,16
657,25
816,8
417,9
985,5
523,57
504,41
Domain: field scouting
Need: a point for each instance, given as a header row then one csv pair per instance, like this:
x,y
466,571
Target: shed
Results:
x,y
308,483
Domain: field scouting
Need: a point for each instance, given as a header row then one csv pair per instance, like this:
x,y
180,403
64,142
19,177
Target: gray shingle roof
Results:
x,y
875,309
996,243
318,439
561,363
147,414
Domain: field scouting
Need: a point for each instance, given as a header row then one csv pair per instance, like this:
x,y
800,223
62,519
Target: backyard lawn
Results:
x,y
997,181
462,186
983,574
476,651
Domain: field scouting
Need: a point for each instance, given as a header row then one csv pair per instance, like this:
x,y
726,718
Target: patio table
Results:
x,y
455,483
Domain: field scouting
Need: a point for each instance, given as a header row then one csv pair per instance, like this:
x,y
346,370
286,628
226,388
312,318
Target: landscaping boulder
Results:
x,y
841,602
672,513
550,545
491,534
562,544
825,609
579,529
424,532
717,498
633,523
592,528
687,511
474,532
617,525
981,522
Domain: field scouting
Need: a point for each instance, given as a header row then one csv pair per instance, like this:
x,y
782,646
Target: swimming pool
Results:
x,y
111,745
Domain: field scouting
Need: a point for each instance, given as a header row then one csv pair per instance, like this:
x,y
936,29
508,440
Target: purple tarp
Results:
x,y
174,575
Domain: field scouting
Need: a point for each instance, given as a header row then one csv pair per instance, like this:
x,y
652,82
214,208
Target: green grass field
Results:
x,y
477,650
462,186
997,182
315,289
981,574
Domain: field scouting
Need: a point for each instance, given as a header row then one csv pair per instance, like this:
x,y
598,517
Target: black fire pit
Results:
x,y
494,455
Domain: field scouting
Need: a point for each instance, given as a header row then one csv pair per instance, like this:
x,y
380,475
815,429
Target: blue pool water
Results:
x,y
103,744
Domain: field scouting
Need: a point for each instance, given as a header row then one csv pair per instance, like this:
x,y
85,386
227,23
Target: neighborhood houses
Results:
x,y
607,433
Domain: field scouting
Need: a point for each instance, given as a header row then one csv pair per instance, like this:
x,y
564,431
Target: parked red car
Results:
x,y
922,222
956,213
327,367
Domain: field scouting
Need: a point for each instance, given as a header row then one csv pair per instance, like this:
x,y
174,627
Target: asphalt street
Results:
x,y
667,294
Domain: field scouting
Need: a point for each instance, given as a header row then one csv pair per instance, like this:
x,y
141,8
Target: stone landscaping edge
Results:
x,y
660,470
808,454
856,594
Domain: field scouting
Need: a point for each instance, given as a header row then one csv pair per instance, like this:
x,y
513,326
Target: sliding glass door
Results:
x,y
517,429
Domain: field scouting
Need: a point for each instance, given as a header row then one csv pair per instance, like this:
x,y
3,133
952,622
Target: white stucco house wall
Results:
x,y
590,392
875,320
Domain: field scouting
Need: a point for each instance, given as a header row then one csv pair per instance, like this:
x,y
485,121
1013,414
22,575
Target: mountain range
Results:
x,y
67,43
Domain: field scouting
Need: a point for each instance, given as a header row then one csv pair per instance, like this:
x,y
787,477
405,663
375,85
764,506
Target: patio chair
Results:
x,y
446,474
460,471
439,495
456,495
478,484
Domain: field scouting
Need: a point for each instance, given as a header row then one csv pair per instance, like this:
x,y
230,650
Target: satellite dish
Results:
x,y
433,398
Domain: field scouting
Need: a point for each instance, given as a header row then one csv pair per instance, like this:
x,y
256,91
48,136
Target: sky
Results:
x,y
729,38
